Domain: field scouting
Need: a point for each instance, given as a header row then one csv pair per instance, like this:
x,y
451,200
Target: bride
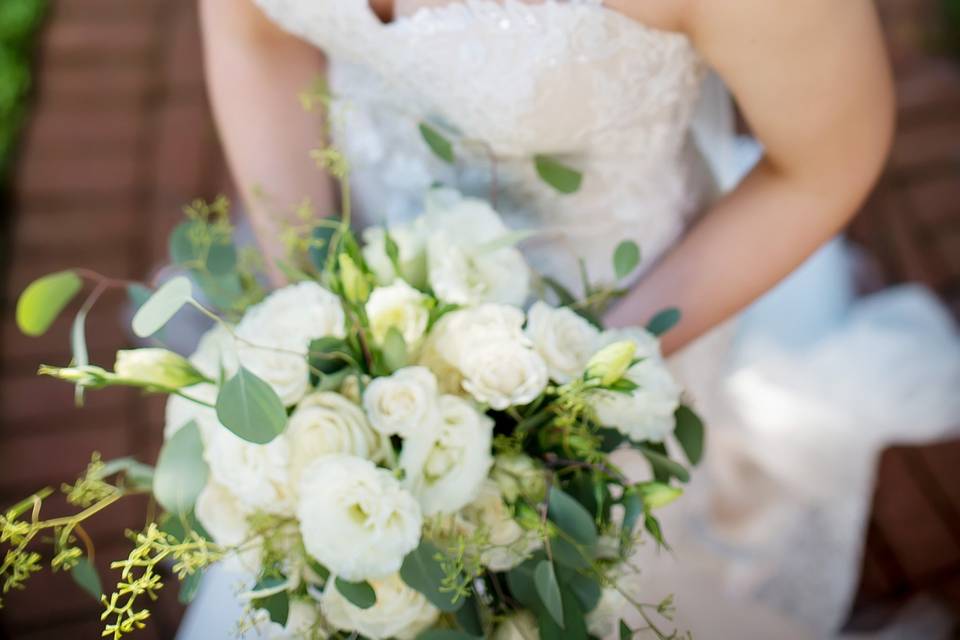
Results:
x,y
801,392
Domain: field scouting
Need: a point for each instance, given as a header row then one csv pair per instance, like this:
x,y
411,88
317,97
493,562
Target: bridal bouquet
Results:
x,y
389,447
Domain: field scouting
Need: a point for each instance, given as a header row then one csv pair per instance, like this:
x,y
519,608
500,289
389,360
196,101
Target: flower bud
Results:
x,y
355,285
611,363
88,376
156,368
518,476
656,495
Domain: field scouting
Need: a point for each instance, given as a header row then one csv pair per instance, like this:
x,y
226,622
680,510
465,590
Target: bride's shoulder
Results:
x,y
664,15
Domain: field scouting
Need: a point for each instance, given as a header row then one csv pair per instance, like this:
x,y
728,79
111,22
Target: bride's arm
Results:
x,y
255,73
813,81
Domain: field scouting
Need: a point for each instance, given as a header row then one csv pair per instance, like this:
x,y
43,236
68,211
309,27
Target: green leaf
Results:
x,y
567,299
85,575
652,525
437,142
180,526
276,605
319,250
137,474
250,408
520,581
626,258
222,258
468,617
664,466
632,510
557,175
162,306
189,587
574,626
445,634
690,434
545,579
664,321
422,572
181,472
43,300
180,246
572,518
392,250
586,590
625,632
359,594
394,350
566,554
329,355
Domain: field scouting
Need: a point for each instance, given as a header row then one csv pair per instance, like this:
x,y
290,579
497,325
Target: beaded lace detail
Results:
x,y
507,80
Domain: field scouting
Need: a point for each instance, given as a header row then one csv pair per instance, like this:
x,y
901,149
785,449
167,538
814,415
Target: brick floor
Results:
x,y
121,136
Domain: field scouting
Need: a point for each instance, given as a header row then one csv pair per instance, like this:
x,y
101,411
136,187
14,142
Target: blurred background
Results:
x,y
105,133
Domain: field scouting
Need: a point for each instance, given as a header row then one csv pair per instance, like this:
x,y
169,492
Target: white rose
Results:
x,y
446,468
488,348
398,306
510,544
465,265
256,474
404,403
564,339
302,623
179,411
604,620
356,519
400,612
411,245
646,413
276,336
216,353
225,518
520,626
325,423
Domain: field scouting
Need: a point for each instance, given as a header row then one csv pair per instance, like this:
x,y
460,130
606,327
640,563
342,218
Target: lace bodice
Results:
x,y
508,80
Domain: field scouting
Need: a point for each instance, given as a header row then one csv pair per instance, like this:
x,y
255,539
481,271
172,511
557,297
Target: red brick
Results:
x,y
931,142
943,461
183,53
80,171
107,10
38,398
185,142
932,84
67,227
62,126
936,201
118,87
66,42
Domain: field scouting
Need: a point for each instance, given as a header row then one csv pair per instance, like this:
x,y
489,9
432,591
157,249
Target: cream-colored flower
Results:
x,y
445,468
509,543
216,353
276,335
356,519
398,306
603,621
404,403
156,368
180,411
400,612
411,245
518,476
302,623
646,413
611,363
325,423
563,339
522,625
256,474
464,262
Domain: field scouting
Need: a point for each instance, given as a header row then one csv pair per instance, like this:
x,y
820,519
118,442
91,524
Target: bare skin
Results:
x,y
811,77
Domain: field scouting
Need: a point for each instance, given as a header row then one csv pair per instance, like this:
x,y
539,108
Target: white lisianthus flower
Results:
x,y
400,612
464,263
510,544
179,411
356,519
225,518
496,361
398,306
411,245
647,345
647,412
522,625
563,339
256,474
404,403
302,620
604,620
446,468
325,423
282,327
156,368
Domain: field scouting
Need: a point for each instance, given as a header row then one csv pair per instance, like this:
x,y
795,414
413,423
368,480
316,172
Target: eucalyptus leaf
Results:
x,y
250,408
559,176
545,579
572,518
277,606
626,258
574,626
189,587
625,632
664,321
437,142
319,250
567,554
181,472
43,300
422,572
137,474
162,306
632,510
86,576
690,434
329,355
468,617
359,594
521,584
662,465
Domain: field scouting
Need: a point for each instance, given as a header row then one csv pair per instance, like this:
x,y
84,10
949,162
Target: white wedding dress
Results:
x,y
800,394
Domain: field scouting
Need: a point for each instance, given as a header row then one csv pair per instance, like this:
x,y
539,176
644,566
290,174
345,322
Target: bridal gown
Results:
x,y
800,393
